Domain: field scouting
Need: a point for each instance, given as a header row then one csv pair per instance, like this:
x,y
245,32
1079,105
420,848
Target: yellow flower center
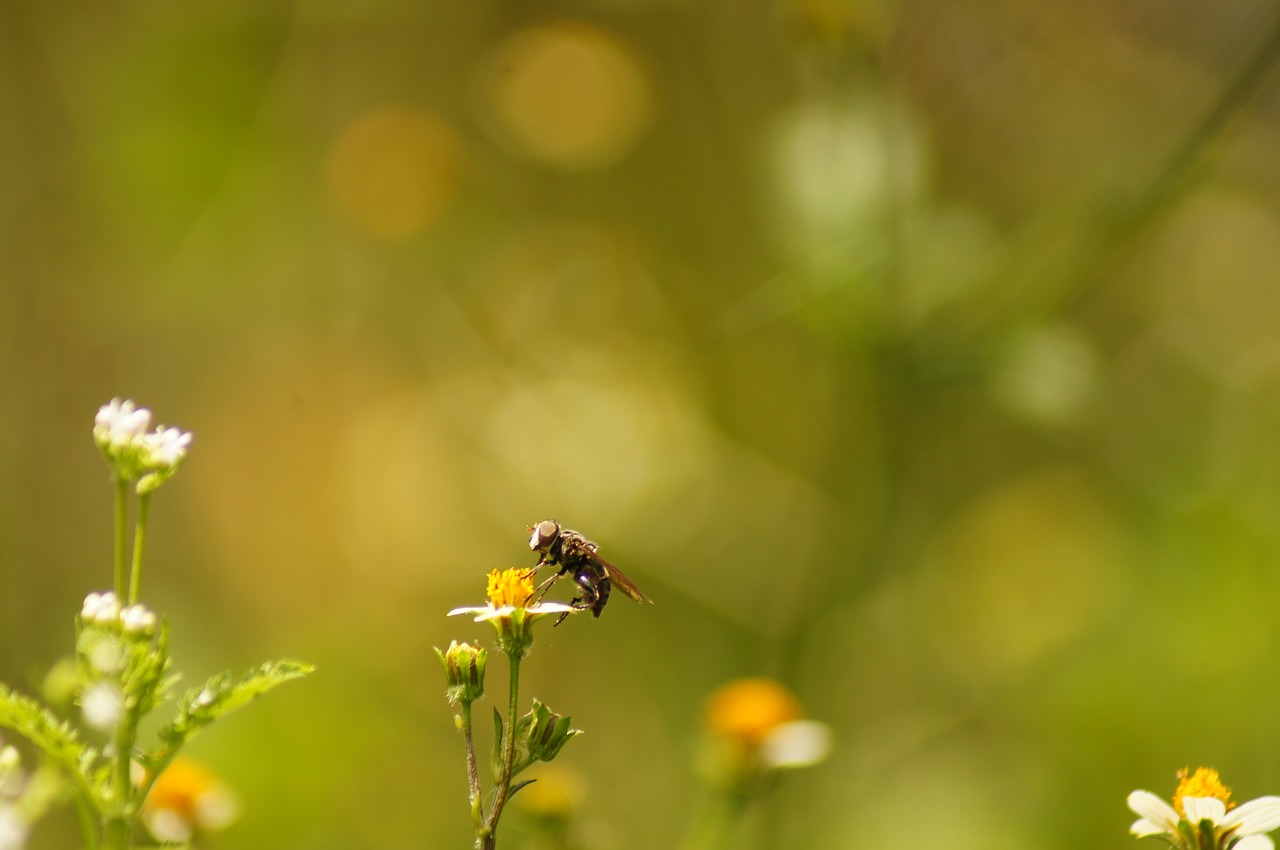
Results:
x,y
1203,782
747,710
513,587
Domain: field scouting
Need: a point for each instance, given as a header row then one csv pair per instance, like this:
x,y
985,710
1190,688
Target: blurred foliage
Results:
x,y
922,356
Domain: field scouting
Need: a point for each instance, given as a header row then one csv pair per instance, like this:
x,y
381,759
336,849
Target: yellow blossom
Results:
x,y
1204,782
511,587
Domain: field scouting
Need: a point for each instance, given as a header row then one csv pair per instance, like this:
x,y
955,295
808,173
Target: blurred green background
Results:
x,y
922,355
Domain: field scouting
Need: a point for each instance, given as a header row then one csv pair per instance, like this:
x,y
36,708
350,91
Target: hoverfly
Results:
x,y
574,553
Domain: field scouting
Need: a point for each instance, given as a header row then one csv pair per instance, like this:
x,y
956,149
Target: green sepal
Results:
x,y
540,736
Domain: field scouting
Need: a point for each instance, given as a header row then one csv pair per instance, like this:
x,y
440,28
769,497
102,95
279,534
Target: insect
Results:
x,y
574,554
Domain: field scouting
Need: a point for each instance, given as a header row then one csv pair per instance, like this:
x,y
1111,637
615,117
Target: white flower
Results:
x,y
103,706
13,832
101,608
105,654
186,800
120,424
488,612
10,770
164,448
1207,814
136,618
799,743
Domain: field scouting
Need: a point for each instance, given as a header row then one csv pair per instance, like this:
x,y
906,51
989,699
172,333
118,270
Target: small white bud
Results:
x,y
166,447
13,830
106,655
136,618
102,706
100,608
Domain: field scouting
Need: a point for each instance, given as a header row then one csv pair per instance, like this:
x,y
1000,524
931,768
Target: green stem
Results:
x,y
117,828
714,828
473,774
139,537
84,814
489,835
122,495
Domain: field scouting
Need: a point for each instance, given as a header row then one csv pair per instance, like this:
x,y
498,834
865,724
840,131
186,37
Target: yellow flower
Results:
x,y
1203,816
1204,782
749,709
757,725
513,587
187,799
509,592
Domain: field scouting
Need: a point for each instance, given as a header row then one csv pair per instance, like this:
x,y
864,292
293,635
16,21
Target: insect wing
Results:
x,y
620,580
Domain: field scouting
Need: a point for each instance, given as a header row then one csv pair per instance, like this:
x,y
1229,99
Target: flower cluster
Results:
x,y
116,645
135,454
103,609
1204,817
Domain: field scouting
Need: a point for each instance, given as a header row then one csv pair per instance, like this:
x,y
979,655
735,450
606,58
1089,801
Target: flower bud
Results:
x,y
137,619
463,672
542,734
100,608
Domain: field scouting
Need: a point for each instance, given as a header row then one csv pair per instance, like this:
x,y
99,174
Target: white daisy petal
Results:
x,y
1254,842
1255,816
1204,808
1142,828
1154,810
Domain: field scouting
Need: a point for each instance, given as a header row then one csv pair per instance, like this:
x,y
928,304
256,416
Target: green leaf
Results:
x,y
495,763
518,786
222,695
55,737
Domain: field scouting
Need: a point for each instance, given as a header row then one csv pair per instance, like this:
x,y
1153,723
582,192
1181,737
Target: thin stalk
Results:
x,y
489,835
473,774
139,538
122,496
88,828
118,824
714,828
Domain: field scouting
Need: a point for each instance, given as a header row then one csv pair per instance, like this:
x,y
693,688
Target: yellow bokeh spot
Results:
x,y
393,171
557,793
189,792
748,710
568,95
1203,782
510,588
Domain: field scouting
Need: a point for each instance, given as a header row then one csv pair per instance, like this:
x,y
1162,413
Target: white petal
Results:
x,y
799,743
1255,816
1254,842
457,611
550,608
1204,808
1143,828
1154,810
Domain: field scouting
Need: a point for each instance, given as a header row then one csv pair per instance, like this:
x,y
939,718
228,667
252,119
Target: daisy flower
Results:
x,y
510,591
1203,815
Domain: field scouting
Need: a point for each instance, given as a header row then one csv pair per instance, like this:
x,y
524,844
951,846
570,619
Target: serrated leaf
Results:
x,y
222,694
55,737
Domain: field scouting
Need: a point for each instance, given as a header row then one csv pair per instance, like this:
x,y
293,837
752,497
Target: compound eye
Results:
x,y
543,533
